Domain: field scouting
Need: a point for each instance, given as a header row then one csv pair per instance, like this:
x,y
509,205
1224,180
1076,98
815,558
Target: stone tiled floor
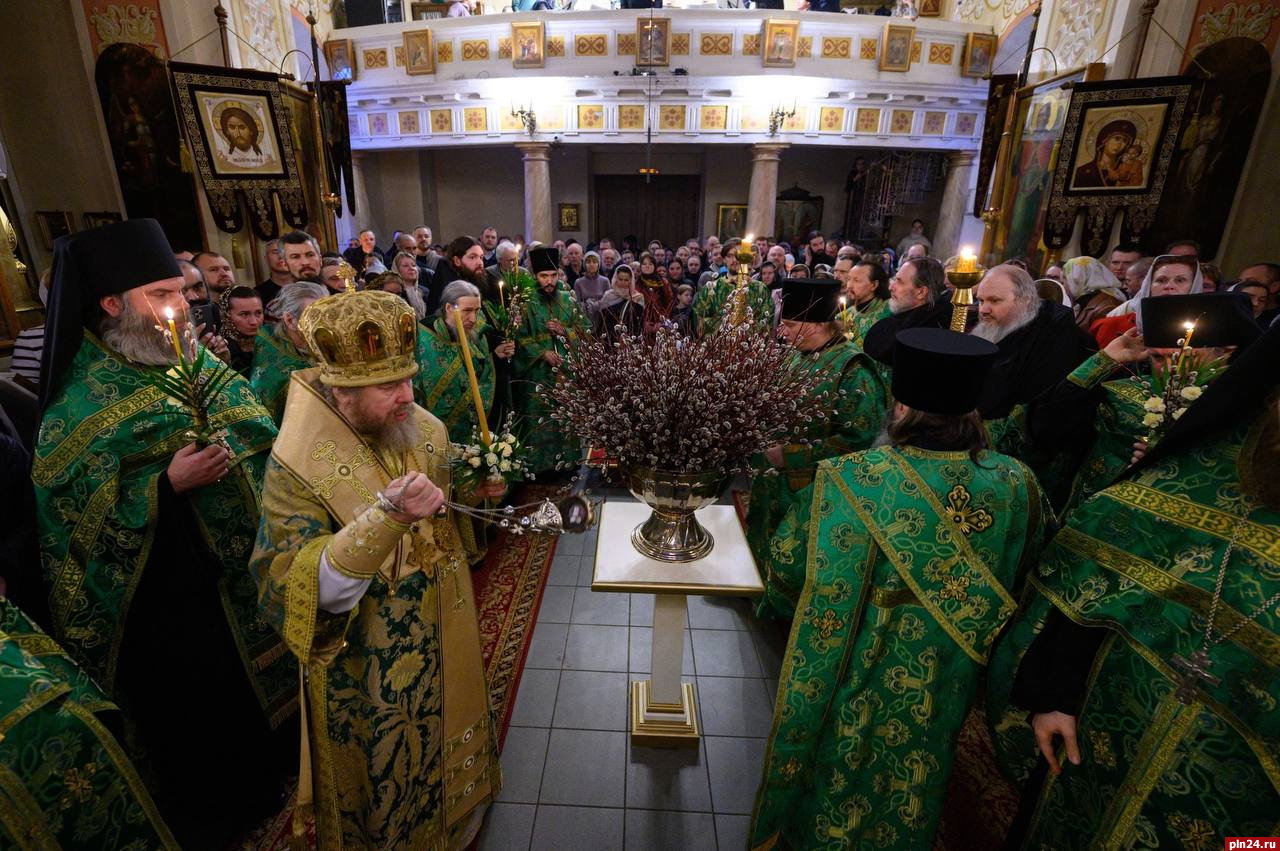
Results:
x,y
572,779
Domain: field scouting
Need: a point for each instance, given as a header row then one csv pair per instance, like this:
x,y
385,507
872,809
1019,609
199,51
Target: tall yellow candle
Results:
x,y
968,261
173,334
481,419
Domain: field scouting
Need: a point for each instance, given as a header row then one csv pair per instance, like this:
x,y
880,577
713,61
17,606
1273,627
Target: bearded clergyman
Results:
x,y
145,535
365,577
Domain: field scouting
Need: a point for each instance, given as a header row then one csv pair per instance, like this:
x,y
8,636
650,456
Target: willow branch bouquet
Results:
x,y
195,380
683,404
513,289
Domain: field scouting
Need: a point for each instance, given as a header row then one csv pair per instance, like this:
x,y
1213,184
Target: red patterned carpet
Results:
x,y
508,588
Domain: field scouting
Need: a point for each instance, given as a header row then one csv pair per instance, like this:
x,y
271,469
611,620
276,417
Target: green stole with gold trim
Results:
x,y
65,782
546,443
1140,559
909,558
716,297
106,438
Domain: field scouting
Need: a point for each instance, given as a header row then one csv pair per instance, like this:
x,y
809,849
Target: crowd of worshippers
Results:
x,y
982,519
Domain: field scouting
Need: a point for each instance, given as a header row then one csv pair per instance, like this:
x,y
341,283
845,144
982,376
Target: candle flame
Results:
x,y
748,239
967,252
1190,326
168,313
842,301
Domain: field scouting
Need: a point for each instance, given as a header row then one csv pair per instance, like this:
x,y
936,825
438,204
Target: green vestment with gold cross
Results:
x,y
65,781
714,302
442,387
402,745
275,357
911,564
106,438
1138,563
545,443
855,413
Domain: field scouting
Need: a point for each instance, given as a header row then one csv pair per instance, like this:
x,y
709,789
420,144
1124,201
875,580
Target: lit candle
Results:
x,y
746,242
968,262
173,333
1190,328
501,301
481,419
844,310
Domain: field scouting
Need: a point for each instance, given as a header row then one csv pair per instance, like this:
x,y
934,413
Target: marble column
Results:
x,y
762,198
956,203
539,226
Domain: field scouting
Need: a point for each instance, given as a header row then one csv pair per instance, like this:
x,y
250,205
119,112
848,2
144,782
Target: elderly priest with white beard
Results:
x,y
145,536
1040,344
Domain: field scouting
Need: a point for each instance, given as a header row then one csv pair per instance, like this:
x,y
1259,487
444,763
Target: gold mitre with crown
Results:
x,y
362,338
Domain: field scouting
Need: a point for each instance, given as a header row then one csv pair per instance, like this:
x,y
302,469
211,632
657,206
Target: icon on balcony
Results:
x,y
528,42
653,42
895,47
420,55
780,40
338,55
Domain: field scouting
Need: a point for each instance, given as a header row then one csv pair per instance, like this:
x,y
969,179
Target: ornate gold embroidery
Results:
x,y
967,520
955,588
827,623
343,471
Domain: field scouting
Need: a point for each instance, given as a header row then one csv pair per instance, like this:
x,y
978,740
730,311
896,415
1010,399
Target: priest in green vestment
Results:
x,y
716,300
280,348
551,321
866,294
443,387
365,578
145,536
855,414
1149,657
912,566
65,780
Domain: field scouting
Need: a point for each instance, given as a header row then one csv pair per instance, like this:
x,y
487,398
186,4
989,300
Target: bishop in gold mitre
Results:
x,y
360,567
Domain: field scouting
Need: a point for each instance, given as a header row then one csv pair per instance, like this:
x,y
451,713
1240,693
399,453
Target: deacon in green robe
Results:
x,y
65,781
1161,746
280,348
366,581
716,302
866,292
912,563
552,320
855,413
145,538
443,387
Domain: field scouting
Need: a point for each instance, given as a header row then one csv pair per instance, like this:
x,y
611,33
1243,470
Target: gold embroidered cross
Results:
x,y
343,471
967,520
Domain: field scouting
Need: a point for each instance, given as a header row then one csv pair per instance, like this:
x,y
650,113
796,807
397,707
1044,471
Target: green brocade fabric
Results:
x,y
856,410
274,359
716,297
65,782
441,385
106,438
545,443
1140,560
910,562
860,321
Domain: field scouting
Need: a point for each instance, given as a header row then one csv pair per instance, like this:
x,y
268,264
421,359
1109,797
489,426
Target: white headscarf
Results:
x,y
1084,275
1132,305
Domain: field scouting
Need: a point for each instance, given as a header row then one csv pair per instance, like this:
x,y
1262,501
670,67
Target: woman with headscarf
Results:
x,y
621,306
1092,288
1170,274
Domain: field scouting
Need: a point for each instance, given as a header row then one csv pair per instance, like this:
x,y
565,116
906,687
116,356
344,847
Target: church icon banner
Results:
x,y
236,126
1118,141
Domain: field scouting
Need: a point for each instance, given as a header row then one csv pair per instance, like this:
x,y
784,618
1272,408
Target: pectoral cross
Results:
x,y
1194,671
343,471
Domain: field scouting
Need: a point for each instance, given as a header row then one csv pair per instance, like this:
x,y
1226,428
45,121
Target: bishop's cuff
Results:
x,y
1095,369
361,547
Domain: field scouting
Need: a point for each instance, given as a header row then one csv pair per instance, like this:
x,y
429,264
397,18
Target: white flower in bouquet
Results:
x,y
1155,405
1190,393
506,451
509,438
491,459
1152,420
1178,413
504,466
474,460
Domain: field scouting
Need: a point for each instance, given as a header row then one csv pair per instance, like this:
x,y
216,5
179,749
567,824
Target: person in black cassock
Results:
x,y
917,299
145,529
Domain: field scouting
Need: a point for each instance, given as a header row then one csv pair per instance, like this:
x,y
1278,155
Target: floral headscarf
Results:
x,y
1082,276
